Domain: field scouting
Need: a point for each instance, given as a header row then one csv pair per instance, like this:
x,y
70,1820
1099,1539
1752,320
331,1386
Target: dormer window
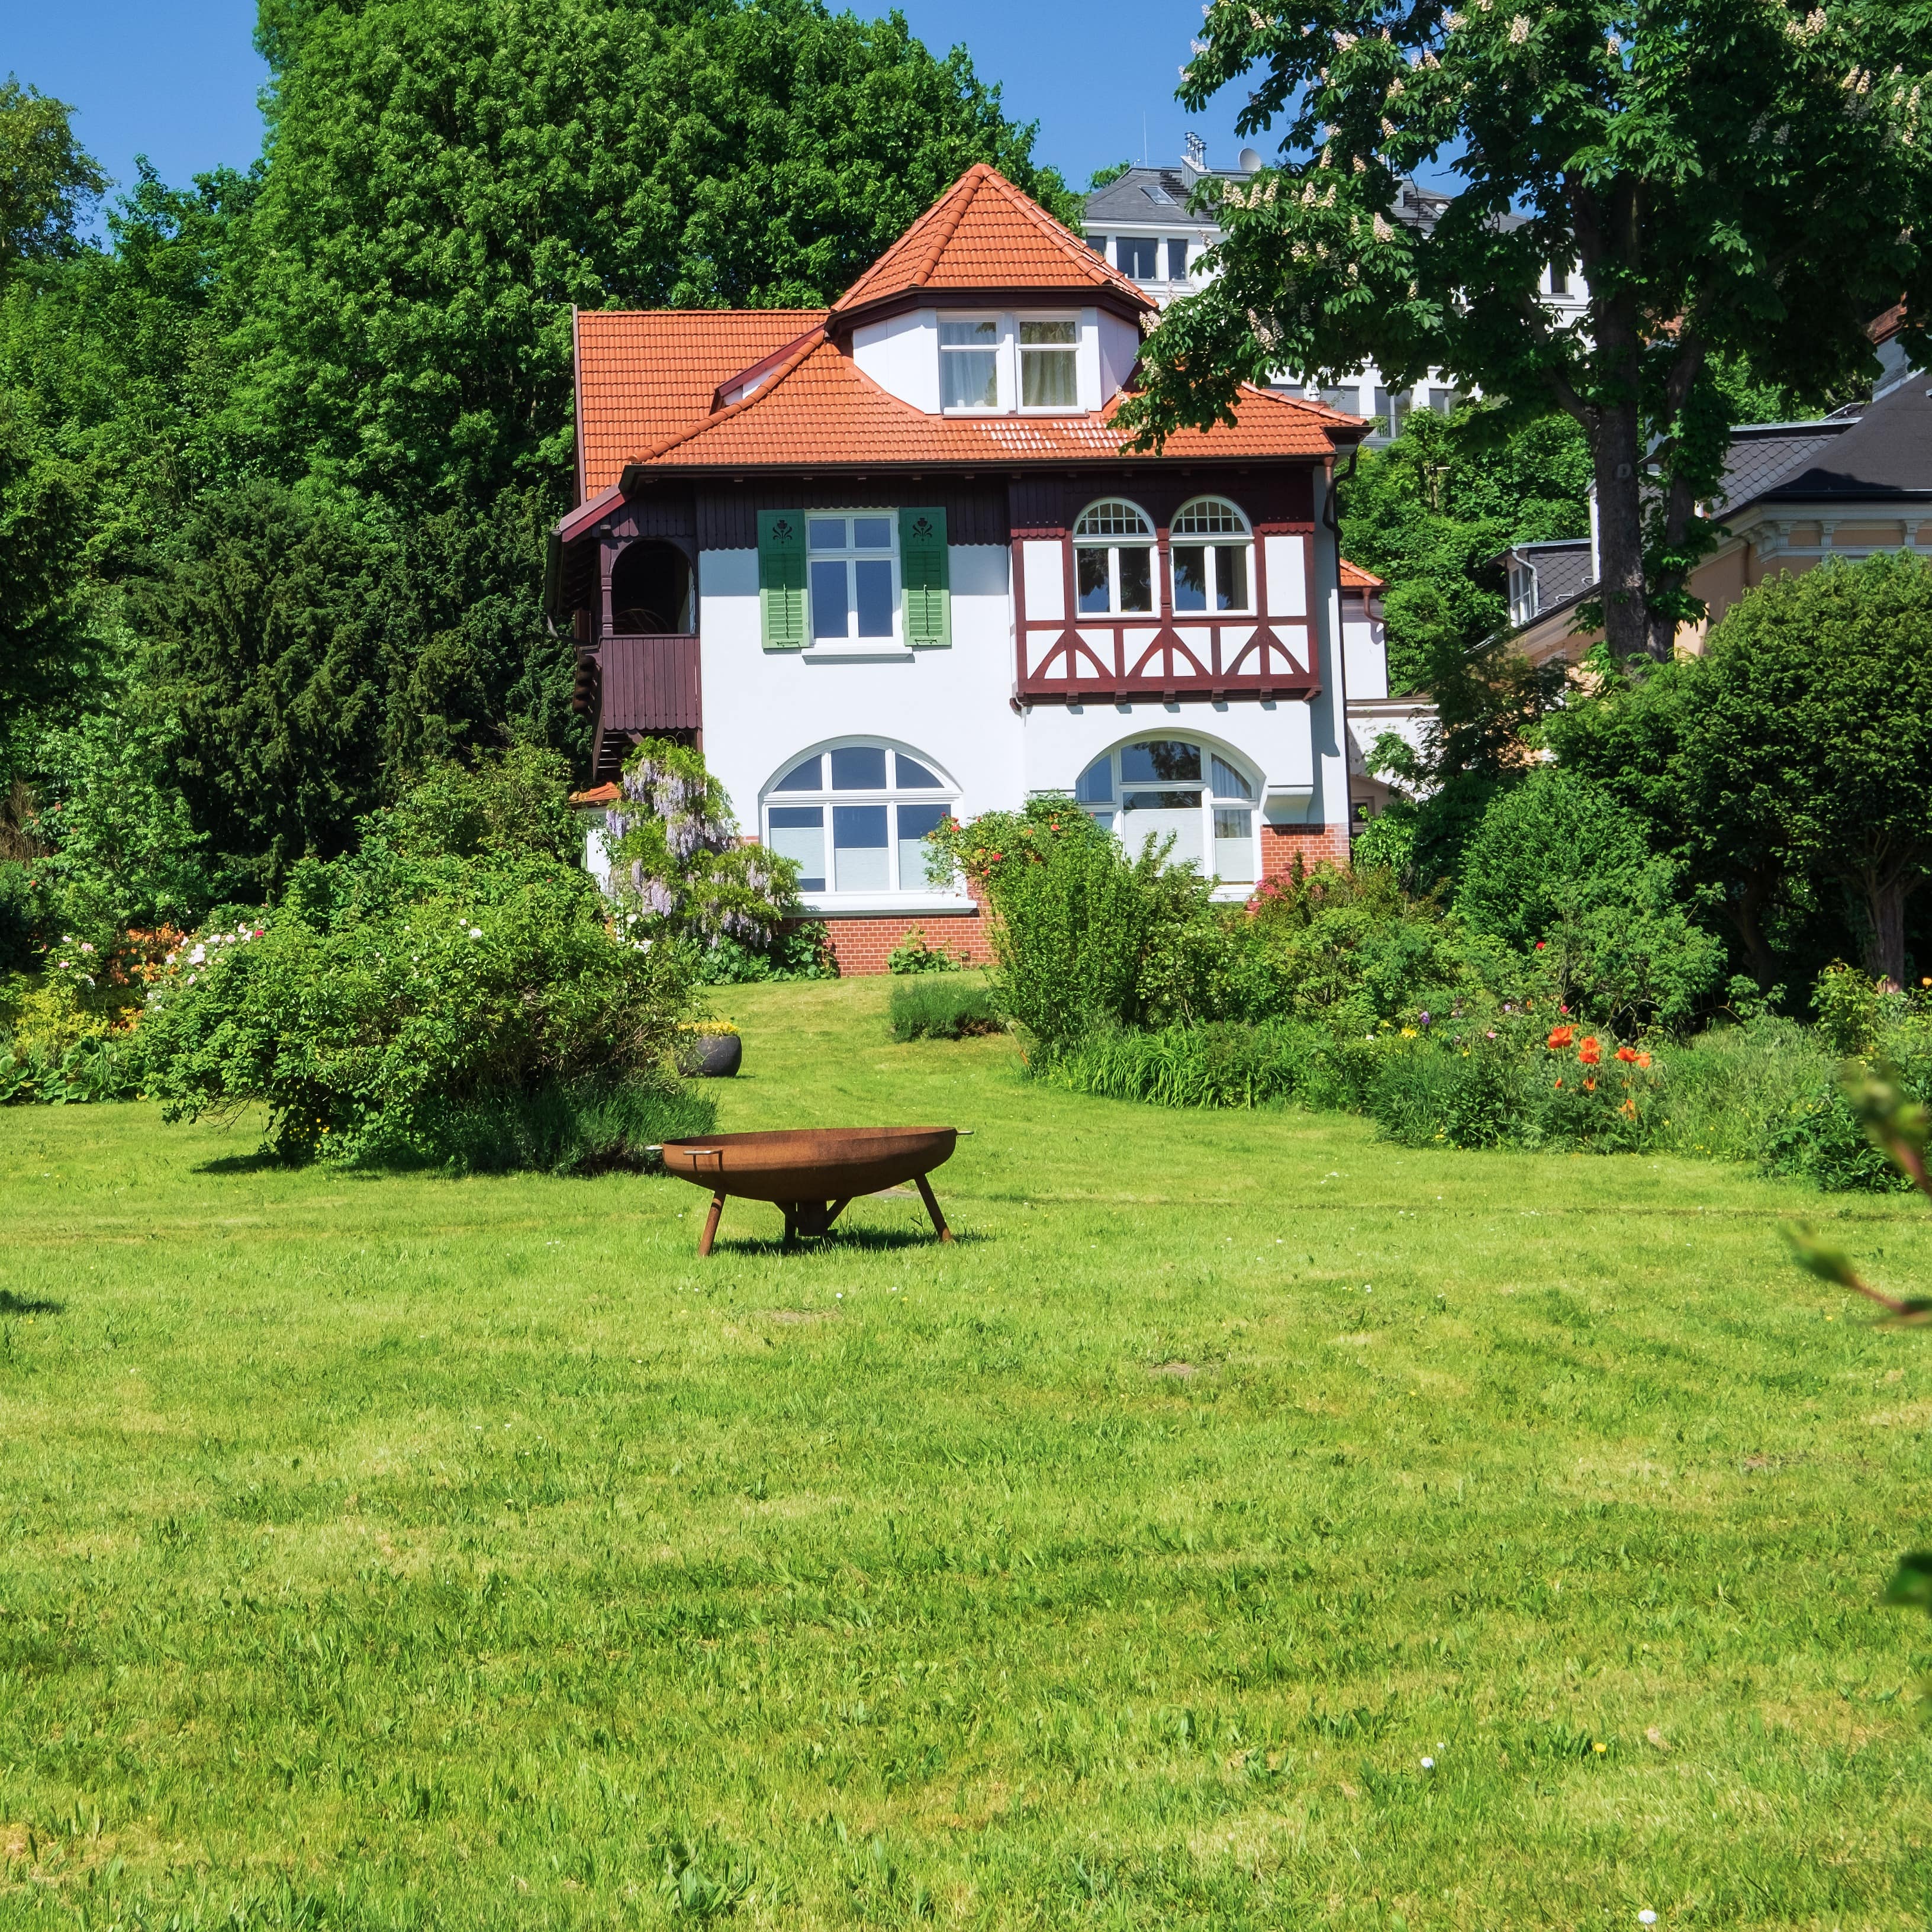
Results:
x,y
1049,374
969,364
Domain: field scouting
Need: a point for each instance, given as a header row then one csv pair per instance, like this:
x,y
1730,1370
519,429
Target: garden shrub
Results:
x,y
1224,1064
915,953
927,1011
801,951
595,1124
386,1003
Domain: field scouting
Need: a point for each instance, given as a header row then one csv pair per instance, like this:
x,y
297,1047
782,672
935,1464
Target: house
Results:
x,y
1792,495
890,561
1144,222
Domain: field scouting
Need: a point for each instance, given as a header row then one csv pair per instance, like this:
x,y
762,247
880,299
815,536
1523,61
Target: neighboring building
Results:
x,y
889,561
1792,495
1142,223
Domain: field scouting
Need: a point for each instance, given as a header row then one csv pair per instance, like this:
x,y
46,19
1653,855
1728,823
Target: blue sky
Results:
x,y
177,79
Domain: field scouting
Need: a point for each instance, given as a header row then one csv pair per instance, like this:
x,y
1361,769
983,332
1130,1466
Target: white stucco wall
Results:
x,y
1364,653
1330,804
764,710
902,354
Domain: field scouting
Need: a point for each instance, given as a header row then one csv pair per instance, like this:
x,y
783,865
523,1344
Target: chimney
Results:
x,y
1196,153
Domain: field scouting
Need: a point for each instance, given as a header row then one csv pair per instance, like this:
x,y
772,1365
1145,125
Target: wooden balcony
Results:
x,y
647,687
1106,663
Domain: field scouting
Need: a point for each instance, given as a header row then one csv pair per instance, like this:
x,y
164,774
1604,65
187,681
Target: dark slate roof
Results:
x,y
1149,197
1762,453
1886,453
1562,570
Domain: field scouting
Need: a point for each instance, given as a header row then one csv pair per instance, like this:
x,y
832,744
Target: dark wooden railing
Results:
x,y
649,684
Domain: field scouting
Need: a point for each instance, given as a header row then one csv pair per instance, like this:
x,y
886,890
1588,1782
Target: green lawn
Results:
x,y
386,1552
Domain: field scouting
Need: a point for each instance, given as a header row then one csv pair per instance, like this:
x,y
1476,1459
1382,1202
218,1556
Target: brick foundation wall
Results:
x,y
1281,844
863,945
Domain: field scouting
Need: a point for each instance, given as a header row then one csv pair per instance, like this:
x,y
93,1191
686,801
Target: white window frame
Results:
x,y
851,643
1111,811
1071,350
1213,542
1114,544
898,893
1002,379
1154,241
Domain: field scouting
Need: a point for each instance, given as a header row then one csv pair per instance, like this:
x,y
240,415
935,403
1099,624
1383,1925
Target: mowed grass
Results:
x,y
410,1552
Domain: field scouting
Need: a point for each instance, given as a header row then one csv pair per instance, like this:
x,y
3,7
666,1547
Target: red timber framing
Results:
x,y
1064,656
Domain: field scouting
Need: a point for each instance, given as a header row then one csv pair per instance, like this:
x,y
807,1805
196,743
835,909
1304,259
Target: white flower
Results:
x,y
87,945
199,957
1646,1917
476,932
1429,1764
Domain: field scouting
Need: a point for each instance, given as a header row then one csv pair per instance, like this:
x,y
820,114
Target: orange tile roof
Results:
x,y
819,410
1355,577
642,374
984,233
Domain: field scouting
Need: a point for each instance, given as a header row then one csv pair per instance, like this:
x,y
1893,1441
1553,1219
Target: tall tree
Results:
x,y
49,183
1740,178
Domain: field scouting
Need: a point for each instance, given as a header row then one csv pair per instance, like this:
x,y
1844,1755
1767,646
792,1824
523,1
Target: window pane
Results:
x,y
828,615
874,578
859,768
1136,580
1136,256
798,832
915,822
1162,814
802,777
1096,783
1190,577
872,533
828,532
969,334
913,776
1165,760
1234,845
969,379
1176,261
1231,576
1229,783
1091,567
1048,379
859,848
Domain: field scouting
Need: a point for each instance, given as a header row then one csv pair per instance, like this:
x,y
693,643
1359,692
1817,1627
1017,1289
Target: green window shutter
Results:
x,y
782,579
922,566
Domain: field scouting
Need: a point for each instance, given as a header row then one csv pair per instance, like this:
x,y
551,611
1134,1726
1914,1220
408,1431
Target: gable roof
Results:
x,y
984,234
819,410
1886,454
644,373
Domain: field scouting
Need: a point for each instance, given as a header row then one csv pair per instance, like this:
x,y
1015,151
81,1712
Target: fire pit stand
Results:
x,y
811,1175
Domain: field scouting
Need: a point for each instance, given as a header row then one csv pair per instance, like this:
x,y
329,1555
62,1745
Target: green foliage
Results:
x,y
1731,199
1226,1064
753,156
1557,865
451,973
592,1124
48,182
929,1010
1431,514
915,954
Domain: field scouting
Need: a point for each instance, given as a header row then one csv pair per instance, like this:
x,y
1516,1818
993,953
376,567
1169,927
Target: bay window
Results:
x,y
1049,377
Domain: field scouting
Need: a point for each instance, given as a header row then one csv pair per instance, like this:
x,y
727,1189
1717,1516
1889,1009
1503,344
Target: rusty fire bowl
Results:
x,y
812,1173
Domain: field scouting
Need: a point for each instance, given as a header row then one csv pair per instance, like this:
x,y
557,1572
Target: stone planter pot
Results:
x,y
711,1056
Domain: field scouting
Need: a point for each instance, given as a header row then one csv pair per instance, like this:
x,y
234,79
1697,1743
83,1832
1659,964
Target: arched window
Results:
x,y
650,591
1211,549
856,818
1113,558
1163,787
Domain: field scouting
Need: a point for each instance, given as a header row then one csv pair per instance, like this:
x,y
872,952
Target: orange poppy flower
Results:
x,y
1643,1059
1589,1086
1627,1053
1561,1036
1559,1080
1590,1052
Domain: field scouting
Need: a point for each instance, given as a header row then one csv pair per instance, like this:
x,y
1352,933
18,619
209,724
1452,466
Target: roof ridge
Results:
x,y
943,230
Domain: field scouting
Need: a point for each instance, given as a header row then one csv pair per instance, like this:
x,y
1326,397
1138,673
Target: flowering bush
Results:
x,y
678,866
377,1009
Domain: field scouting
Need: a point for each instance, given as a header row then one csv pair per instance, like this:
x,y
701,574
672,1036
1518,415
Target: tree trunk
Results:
x,y
1885,895
1747,914
1620,533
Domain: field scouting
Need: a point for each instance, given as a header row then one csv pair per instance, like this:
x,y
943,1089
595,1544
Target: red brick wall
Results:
x,y
1280,844
863,945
